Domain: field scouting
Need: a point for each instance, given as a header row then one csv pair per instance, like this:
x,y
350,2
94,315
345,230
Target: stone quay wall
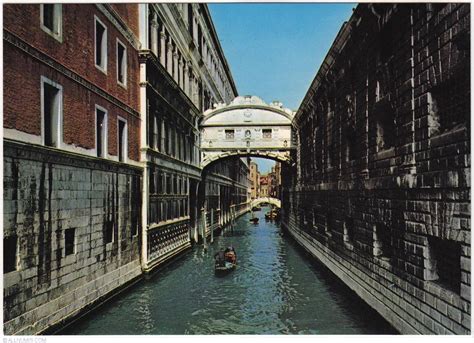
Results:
x,y
382,191
48,192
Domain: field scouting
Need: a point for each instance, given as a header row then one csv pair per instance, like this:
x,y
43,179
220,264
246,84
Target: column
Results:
x,y
181,72
204,226
212,227
195,30
144,28
191,86
187,79
163,138
143,158
154,35
169,56
175,64
195,90
163,46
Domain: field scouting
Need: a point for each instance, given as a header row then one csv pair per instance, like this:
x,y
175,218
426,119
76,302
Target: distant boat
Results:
x,y
256,208
254,219
273,214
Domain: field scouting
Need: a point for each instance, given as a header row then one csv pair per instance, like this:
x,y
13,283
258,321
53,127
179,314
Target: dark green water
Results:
x,y
275,289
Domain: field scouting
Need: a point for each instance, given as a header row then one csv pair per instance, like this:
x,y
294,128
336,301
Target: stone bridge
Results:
x,y
247,127
273,201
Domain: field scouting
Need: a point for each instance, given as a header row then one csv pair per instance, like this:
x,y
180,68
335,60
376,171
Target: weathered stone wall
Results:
x,y
47,192
382,195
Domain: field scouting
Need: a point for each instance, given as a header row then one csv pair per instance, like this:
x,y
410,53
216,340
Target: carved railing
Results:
x,y
167,237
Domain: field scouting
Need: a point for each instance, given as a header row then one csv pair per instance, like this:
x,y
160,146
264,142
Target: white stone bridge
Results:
x,y
247,127
265,200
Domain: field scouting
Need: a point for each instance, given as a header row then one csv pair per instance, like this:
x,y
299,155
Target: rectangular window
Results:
x,y
350,141
168,184
190,19
229,134
448,107
165,138
385,126
151,182
267,133
121,63
51,20
383,242
159,183
156,132
69,241
349,230
51,107
199,42
101,132
109,231
447,262
122,140
100,45
173,142
10,253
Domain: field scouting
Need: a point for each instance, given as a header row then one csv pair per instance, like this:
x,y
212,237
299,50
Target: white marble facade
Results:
x,y
246,126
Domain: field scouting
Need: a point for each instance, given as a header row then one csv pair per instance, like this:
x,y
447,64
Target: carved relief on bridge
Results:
x,y
247,126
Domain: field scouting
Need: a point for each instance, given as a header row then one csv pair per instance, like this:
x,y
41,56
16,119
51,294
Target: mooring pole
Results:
x,y
212,226
204,227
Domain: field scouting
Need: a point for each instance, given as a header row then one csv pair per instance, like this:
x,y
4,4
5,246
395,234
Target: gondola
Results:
x,y
273,214
223,269
223,266
254,219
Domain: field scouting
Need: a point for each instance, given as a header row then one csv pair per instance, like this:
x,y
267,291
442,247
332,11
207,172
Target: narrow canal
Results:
x,y
275,289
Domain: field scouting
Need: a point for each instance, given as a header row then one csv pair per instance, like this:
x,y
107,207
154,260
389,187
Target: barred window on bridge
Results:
x,y
229,134
267,133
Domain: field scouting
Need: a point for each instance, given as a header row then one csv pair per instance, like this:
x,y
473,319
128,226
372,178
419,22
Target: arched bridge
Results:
x,y
272,201
247,127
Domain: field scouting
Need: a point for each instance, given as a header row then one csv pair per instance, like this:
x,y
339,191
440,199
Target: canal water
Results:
x,y
276,289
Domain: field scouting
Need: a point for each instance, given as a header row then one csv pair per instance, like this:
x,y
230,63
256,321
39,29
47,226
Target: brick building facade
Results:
x,y
382,192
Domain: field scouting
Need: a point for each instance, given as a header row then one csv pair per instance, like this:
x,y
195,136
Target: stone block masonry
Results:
x,y
47,195
382,188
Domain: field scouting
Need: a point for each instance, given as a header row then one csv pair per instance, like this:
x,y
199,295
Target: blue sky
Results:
x,y
274,50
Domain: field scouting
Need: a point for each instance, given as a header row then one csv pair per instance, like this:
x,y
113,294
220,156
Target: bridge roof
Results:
x,y
248,110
